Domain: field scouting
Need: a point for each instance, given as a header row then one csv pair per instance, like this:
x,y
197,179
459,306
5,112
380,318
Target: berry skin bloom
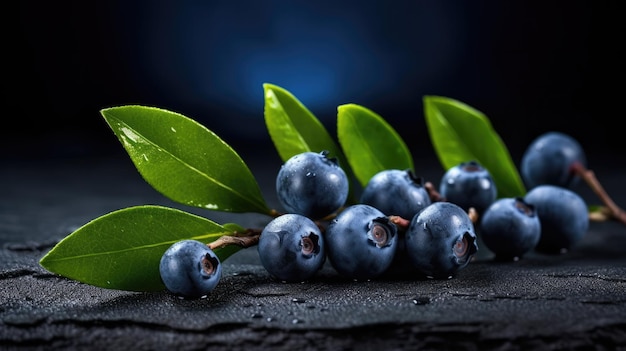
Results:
x,y
563,216
441,240
396,193
190,269
361,242
312,184
468,184
510,228
291,248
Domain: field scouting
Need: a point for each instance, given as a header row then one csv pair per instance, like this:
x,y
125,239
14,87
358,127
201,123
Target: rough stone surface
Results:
x,y
574,301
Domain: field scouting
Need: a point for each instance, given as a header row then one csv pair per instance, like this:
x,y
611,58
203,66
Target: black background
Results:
x,y
529,66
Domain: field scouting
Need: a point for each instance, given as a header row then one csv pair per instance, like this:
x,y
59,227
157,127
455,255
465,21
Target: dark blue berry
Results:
x,y
291,248
549,159
563,216
312,184
361,242
396,192
190,269
510,228
441,240
468,184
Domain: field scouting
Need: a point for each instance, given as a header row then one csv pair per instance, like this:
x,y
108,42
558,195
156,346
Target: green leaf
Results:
x,y
185,161
294,129
370,144
122,249
460,133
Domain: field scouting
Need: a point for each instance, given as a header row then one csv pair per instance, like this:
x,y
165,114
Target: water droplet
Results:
x,y
298,300
296,321
269,319
257,315
419,301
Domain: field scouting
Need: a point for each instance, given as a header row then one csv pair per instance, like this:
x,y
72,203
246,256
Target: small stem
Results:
x,y
590,178
274,213
400,222
434,195
247,239
473,215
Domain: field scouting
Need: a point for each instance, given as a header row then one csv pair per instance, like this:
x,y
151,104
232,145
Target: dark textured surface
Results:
x,y
575,301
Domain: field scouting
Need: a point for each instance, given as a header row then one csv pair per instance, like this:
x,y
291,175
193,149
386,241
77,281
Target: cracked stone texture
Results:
x,y
574,301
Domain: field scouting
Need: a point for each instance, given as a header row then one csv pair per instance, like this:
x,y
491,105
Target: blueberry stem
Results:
x,y
473,215
433,193
590,178
401,223
246,239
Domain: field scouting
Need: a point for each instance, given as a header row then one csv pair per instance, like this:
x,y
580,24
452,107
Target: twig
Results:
x,y
434,195
400,222
590,178
248,239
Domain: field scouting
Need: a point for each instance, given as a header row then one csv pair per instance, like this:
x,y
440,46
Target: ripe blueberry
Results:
x,y
190,269
312,184
563,216
510,228
441,240
549,158
361,242
468,184
396,192
291,248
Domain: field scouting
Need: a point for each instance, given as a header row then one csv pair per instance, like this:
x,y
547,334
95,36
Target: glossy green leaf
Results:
x,y
122,249
370,144
294,129
185,161
460,133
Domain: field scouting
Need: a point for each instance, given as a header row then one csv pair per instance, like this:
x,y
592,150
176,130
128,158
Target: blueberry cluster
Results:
x,y
399,226
394,217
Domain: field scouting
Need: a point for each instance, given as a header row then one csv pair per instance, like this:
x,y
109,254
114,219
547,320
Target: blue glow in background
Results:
x,y
530,67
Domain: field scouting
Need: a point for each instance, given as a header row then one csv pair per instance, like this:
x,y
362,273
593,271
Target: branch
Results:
x,y
247,239
589,177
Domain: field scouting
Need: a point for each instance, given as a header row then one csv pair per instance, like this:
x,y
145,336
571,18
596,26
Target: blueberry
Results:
x,y
510,228
563,215
190,269
291,248
312,184
549,158
441,240
468,184
396,192
361,242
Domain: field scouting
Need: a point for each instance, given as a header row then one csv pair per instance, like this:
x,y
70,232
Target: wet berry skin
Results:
x,y
510,228
291,248
312,184
361,242
396,192
468,184
441,240
548,160
563,215
190,269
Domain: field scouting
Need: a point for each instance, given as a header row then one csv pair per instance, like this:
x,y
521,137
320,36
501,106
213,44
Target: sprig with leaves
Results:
x,y
191,165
